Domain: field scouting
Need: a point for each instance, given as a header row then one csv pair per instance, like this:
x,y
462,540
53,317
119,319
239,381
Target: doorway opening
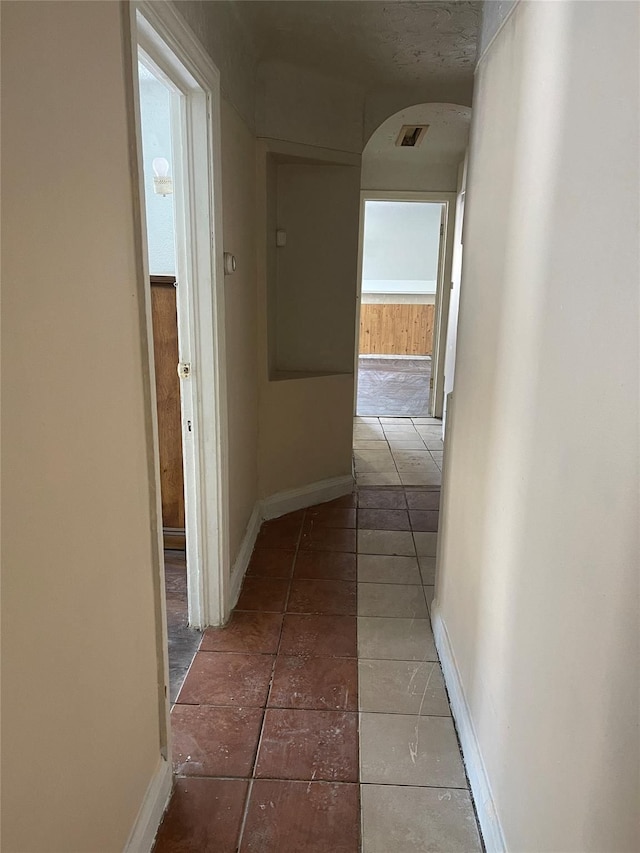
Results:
x,y
157,117
402,259
177,99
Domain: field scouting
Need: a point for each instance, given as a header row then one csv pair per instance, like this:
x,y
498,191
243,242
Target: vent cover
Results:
x,y
411,135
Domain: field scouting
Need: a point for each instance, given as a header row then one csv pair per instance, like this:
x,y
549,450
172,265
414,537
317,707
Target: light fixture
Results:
x,y
162,182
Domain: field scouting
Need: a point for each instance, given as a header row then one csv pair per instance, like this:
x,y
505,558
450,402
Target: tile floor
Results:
x,y
317,720
397,451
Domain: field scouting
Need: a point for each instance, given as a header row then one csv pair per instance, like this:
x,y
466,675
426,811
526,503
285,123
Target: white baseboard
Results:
x,y
244,554
476,771
277,505
314,493
151,811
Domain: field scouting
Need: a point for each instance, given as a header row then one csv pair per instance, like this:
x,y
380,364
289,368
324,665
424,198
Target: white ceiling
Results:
x,y
366,41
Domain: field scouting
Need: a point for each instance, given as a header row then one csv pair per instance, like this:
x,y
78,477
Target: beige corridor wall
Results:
x,y
538,578
80,718
239,232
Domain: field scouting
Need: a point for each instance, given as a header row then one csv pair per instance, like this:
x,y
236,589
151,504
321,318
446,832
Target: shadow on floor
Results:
x,y
393,387
183,640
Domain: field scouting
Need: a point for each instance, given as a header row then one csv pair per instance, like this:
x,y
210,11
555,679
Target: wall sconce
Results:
x,y
162,182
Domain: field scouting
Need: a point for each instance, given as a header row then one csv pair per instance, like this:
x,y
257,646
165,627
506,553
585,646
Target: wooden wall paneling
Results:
x,y
165,346
396,329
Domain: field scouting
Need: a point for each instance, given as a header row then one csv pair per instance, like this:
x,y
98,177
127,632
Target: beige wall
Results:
x,y
538,580
315,294
80,712
239,231
305,432
305,423
301,105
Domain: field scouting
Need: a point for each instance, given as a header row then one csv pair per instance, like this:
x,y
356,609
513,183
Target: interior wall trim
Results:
x,y
314,493
275,506
156,800
241,561
488,818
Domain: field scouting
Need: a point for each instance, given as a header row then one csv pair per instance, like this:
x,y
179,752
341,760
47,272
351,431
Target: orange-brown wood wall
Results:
x,y
165,346
396,329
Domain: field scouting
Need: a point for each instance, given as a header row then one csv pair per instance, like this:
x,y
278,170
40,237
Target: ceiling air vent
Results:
x,y
411,135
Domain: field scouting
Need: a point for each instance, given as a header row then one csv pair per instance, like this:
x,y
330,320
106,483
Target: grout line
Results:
x,y
245,812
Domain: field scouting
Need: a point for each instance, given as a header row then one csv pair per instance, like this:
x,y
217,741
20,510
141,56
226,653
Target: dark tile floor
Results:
x,y
265,728
393,387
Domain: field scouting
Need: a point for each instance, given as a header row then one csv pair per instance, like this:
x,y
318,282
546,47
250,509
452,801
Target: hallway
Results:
x,y
317,719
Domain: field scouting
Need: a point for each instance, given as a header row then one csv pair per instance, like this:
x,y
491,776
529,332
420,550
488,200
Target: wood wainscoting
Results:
x,y
396,329
165,349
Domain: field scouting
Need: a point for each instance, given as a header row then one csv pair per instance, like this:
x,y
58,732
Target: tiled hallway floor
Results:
x,y
317,721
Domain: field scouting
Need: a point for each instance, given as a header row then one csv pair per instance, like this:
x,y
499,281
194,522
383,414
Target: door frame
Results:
x,y
162,36
441,313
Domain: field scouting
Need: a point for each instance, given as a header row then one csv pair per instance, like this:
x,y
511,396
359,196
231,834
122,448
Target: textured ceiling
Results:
x,y
370,42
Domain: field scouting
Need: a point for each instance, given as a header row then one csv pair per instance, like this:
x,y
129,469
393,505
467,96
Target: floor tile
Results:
x,y
427,421
427,570
413,460
309,745
369,444
402,687
379,568
392,600
271,563
432,477
424,520
426,544
407,444
203,814
365,420
423,500
328,539
368,431
384,479
386,542
381,499
302,817
400,433
402,749
329,517
373,455
222,678
282,538
384,465
327,565
383,519
400,421
246,631
418,820
320,636
322,596
434,443
395,639
349,501
315,683
210,741
263,594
